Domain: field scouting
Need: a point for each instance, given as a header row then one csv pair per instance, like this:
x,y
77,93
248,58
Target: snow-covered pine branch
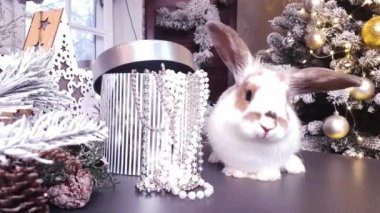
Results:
x,y
193,14
25,81
26,137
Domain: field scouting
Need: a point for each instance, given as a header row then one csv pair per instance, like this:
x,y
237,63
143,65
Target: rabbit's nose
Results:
x,y
268,122
266,129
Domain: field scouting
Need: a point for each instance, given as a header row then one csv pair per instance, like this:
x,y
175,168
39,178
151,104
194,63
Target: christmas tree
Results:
x,y
343,35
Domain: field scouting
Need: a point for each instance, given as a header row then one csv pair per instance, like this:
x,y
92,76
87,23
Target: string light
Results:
x,y
347,45
377,58
304,61
347,49
335,20
359,138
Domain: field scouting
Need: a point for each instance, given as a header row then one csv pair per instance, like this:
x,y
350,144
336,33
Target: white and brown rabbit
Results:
x,y
253,129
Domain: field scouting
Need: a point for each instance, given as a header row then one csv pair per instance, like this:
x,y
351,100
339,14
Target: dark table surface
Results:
x,y
332,183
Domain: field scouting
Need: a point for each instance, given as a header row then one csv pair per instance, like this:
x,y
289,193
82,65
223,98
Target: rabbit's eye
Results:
x,y
248,95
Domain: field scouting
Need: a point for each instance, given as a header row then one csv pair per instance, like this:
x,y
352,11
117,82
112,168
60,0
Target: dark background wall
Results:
x,y
253,20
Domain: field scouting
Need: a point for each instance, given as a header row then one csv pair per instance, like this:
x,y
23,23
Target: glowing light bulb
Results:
x,y
335,20
347,45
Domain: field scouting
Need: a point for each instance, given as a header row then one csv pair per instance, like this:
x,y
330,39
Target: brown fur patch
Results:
x,y
282,122
252,116
247,85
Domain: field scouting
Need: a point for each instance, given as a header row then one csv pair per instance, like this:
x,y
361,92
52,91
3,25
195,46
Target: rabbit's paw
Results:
x,y
294,165
267,175
234,173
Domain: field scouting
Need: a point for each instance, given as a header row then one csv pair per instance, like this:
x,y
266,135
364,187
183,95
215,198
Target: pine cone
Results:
x,y
21,189
72,164
74,193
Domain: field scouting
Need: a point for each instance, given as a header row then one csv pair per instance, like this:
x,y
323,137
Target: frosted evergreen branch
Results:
x,y
338,97
25,138
370,59
191,15
25,81
347,37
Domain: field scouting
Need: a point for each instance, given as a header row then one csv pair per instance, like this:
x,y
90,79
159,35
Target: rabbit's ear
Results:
x,y
231,48
316,79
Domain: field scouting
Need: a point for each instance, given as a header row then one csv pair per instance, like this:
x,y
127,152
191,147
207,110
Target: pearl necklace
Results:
x,y
183,102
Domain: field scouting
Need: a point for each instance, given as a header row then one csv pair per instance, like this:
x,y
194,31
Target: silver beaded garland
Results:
x,y
177,166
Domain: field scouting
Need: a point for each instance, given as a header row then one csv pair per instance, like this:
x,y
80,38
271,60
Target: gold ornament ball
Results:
x,y
315,39
312,5
345,65
371,32
365,91
336,126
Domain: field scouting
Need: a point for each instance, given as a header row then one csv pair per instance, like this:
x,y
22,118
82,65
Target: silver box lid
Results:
x,y
141,55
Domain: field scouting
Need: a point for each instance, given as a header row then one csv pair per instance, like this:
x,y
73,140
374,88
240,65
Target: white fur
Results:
x,y
267,174
239,143
235,173
294,165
